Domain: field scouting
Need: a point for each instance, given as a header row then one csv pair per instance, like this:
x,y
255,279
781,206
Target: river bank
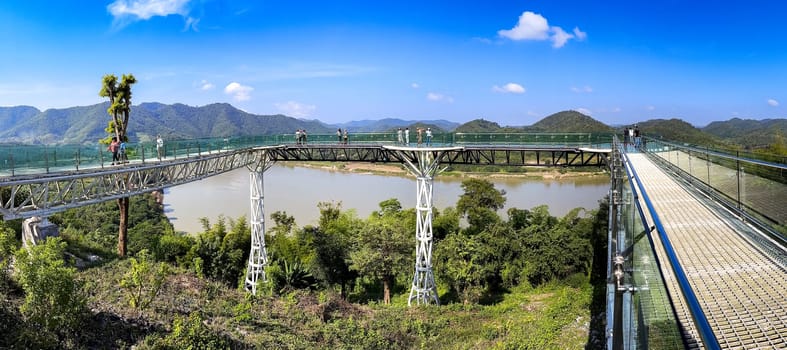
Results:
x,y
529,173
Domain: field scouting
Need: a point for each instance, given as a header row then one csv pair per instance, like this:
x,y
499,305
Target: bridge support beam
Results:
x,y
423,289
258,257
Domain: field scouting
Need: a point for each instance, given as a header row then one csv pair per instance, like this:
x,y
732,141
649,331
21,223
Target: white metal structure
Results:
x,y
258,256
423,289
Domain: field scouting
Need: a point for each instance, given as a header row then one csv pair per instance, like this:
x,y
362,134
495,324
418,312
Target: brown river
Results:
x,y
297,190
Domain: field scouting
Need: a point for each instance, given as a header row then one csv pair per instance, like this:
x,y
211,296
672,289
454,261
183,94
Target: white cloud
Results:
x,y
239,92
584,111
650,108
616,110
145,9
580,34
415,85
513,88
533,26
295,109
127,11
773,102
433,96
586,89
205,85
560,37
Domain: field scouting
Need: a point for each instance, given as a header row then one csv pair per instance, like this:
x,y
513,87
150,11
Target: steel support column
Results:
x,y
423,289
258,256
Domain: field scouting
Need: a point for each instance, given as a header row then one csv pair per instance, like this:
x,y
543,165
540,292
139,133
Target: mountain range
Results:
x,y
25,124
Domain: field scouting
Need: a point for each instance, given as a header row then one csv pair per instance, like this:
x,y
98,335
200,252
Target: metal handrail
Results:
x,y
700,320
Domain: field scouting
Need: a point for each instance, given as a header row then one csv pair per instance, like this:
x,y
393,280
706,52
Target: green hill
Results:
x,y
569,121
10,116
87,123
680,131
749,133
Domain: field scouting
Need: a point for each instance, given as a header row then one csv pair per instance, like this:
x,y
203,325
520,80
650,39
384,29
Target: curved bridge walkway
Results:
x,y
740,285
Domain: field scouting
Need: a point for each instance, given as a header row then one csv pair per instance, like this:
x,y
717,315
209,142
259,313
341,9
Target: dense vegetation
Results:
x,y
520,282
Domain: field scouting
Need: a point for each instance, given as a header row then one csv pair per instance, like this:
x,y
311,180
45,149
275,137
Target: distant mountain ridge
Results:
x,y
87,123
368,125
25,124
748,132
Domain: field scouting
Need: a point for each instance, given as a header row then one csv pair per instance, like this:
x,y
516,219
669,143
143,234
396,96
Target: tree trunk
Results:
x,y
343,291
123,229
387,290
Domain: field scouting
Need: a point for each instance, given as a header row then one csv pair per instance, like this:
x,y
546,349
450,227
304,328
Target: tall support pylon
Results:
x,y
424,164
258,257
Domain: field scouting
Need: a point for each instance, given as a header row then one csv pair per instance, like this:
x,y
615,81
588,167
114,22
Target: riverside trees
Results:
x,y
492,263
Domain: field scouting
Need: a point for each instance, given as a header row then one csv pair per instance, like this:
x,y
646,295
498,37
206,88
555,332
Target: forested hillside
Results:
x,y
87,123
679,131
569,121
750,133
177,121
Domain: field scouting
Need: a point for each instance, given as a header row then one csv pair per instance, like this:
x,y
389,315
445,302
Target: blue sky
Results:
x,y
512,62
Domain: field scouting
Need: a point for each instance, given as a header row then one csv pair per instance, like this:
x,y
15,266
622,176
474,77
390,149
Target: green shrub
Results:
x,y
190,333
143,280
173,246
52,300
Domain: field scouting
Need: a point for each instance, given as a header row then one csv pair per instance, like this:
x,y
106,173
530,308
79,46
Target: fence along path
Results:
x,y
742,291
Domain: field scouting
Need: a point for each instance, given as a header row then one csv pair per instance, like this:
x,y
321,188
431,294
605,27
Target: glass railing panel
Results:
x,y
755,186
653,324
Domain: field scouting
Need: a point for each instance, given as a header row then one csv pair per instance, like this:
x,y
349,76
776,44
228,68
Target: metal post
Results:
x,y
738,173
423,290
258,257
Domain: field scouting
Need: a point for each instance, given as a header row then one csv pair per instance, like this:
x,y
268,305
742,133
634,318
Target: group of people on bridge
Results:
x,y
632,136
403,136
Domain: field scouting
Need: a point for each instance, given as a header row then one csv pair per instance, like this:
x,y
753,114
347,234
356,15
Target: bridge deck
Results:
x,y
741,289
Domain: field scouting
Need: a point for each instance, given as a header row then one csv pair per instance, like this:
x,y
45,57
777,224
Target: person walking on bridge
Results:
x,y
339,135
113,147
399,136
159,146
346,136
428,137
407,136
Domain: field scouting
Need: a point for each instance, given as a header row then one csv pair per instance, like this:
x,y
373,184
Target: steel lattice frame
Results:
x,y
258,256
425,167
482,155
27,196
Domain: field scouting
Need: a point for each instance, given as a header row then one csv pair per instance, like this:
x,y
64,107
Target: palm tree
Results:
x,y
119,95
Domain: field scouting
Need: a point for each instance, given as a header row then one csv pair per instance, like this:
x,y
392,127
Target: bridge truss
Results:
x,y
46,194
480,155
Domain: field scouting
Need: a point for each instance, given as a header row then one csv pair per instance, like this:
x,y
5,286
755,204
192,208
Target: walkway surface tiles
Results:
x,y
742,291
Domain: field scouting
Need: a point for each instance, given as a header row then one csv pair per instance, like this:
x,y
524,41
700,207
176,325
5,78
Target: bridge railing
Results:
x,y
17,159
754,187
536,139
640,313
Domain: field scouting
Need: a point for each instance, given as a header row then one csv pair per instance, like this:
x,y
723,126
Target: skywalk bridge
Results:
x,y
44,180
697,250
696,237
